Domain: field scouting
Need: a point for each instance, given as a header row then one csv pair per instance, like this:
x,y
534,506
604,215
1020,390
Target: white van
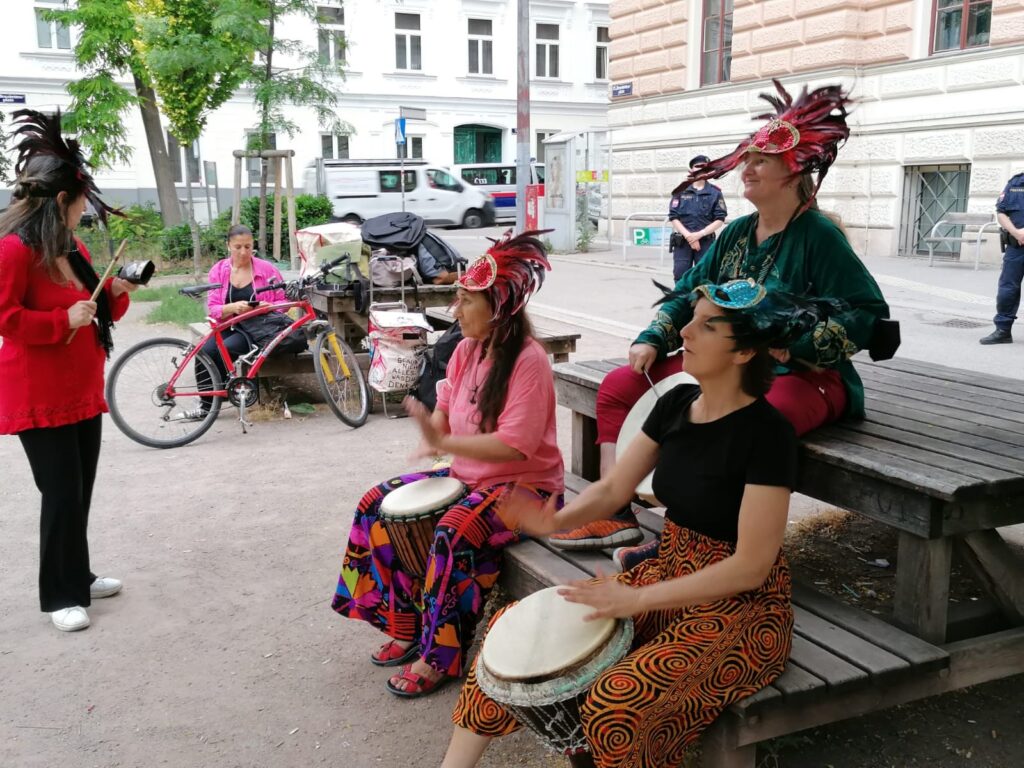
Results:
x,y
499,181
362,189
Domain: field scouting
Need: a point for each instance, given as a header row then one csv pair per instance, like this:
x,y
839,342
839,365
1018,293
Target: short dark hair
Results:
x,y
758,373
238,230
698,159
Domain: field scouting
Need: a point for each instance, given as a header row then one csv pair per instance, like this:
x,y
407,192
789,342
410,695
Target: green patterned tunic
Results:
x,y
815,260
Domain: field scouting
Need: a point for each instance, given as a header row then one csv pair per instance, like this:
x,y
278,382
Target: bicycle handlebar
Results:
x,y
195,291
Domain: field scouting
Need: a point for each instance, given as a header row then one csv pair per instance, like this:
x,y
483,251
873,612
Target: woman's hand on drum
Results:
x,y
610,598
432,437
642,357
524,511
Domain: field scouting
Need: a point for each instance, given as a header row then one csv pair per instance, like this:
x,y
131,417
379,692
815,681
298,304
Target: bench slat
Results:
x,y
888,404
914,650
945,373
1001,454
795,682
835,673
962,395
888,447
927,402
861,653
529,567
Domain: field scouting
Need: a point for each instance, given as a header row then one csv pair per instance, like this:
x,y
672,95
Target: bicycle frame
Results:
x,y
217,331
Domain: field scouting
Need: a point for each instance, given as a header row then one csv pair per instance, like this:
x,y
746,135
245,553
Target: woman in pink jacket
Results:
x,y
239,275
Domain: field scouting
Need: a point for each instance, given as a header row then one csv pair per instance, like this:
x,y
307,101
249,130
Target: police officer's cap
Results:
x,y
698,159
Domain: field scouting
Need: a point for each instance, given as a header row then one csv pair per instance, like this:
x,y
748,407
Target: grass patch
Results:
x,y
174,308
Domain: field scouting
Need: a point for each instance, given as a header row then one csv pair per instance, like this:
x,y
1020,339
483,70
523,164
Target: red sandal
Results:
x,y
391,654
416,685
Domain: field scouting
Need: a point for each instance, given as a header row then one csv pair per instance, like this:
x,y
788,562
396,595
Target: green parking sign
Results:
x,y
648,236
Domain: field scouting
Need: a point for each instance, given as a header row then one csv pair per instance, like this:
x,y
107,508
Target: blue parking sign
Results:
x,y
399,130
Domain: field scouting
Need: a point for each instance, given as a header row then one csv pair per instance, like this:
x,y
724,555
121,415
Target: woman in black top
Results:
x,y
712,612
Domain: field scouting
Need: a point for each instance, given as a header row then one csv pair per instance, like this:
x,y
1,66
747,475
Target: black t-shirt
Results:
x,y
703,468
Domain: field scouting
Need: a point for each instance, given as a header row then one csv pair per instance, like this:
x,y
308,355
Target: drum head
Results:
x,y
542,635
426,495
634,423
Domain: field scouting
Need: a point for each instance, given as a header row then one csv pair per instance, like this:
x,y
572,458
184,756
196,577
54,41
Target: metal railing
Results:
x,y
665,230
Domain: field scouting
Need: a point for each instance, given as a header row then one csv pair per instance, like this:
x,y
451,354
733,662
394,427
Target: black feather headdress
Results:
x,y
40,136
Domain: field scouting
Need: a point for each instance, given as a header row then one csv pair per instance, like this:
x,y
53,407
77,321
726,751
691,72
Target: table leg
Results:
x,y
922,586
998,568
586,459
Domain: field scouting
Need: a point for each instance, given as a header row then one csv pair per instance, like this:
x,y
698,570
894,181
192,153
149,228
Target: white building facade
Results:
x,y
456,59
938,126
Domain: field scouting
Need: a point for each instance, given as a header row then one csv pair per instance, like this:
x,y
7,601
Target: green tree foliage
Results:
x,y
106,51
288,73
197,53
310,210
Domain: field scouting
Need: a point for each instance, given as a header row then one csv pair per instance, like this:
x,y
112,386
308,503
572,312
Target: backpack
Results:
x,y
435,365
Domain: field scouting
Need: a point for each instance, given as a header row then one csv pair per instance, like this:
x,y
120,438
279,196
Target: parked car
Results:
x,y
362,189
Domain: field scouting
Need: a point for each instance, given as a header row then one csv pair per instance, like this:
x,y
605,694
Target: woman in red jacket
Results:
x,y
51,388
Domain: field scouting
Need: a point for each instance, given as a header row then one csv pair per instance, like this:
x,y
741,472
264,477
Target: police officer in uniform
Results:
x,y
695,215
1010,214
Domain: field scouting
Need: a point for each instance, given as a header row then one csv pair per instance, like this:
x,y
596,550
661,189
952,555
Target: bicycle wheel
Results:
x,y
340,379
136,394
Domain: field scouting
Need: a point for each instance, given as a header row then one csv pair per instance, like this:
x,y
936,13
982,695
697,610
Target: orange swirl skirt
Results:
x,y
687,665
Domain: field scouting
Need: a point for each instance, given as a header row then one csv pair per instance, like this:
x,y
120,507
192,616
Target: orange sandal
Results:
x,y
416,685
391,654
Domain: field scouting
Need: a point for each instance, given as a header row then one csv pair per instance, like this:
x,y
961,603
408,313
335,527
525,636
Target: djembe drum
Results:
x,y
410,514
540,659
634,423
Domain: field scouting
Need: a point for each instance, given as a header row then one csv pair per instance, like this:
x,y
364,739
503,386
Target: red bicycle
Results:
x,y
165,392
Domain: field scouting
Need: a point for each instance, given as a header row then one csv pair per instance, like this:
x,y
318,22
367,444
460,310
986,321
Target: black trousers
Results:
x,y
236,343
63,461
684,257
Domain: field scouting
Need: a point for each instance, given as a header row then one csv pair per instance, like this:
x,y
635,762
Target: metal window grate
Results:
x,y
929,193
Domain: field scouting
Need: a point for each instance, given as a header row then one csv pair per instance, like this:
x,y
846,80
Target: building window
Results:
x,y
601,65
331,35
480,47
477,144
547,50
391,181
333,147
412,149
716,43
183,157
961,24
408,54
929,193
541,135
252,164
51,34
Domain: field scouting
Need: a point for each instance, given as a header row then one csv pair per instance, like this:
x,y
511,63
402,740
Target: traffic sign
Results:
x,y
399,130
412,113
648,236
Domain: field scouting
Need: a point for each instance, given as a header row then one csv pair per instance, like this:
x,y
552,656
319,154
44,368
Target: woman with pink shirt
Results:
x,y
239,275
495,416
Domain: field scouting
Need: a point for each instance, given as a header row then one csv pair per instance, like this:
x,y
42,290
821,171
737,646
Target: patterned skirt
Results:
x,y
686,667
442,610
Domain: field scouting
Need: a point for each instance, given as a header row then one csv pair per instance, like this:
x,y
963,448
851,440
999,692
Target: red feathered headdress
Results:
x,y
41,137
805,133
510,272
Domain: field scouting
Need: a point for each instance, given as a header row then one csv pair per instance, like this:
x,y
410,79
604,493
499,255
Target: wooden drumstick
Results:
x,y
99,286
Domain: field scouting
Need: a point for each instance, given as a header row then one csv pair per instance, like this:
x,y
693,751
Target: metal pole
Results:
x,y
401,173
522,112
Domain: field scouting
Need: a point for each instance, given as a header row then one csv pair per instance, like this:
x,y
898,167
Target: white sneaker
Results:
x,y
70,619
196,414
104,586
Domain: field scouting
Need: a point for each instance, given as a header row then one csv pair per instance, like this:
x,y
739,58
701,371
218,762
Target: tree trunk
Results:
x,y
170,208
194,227
265,135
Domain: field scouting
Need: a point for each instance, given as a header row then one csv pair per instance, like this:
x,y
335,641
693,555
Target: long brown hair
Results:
x,y
35,215
494,390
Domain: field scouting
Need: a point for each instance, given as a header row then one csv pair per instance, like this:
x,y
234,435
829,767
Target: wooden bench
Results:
x,y
558,345
977,222
924,462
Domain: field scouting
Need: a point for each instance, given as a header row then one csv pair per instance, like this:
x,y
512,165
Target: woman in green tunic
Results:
x,y
787,245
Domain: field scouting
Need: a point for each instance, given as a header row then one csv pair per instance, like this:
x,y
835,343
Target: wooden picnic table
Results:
x,y
940,458
339,305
